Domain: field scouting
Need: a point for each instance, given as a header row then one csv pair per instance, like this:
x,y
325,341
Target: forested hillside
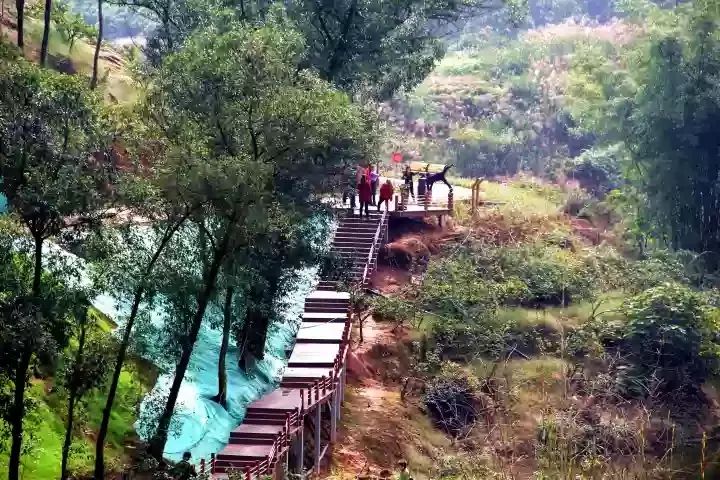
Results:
x,y
166,206
568,329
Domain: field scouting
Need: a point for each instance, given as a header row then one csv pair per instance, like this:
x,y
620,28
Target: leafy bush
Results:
x,y
466,340
546,275
392,309
576,201
454,400
670,336
598,169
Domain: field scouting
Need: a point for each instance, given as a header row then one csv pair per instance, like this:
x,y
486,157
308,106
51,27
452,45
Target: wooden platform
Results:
x,y
314,355
323,332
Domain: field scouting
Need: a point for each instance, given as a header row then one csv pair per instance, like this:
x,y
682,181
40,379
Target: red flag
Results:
x,y
397,157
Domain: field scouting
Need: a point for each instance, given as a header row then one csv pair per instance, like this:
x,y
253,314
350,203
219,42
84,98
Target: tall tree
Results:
x,y
48,130
85,370
98,44
46,32
256,133
367,47
672,137
128,255
20,11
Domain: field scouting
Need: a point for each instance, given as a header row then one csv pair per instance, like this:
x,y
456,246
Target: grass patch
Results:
x,y
45,426
113,78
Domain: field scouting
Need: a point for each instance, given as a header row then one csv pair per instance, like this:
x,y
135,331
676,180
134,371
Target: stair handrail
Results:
x,y
372,248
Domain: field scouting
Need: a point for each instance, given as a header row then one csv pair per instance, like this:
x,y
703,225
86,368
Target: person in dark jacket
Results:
x,y
365,195
374,179
407,177
184,470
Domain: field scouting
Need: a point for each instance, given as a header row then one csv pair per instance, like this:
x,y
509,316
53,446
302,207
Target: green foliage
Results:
x,y
72,26
598,92
671,137
392,309
670,339
453,399
599,169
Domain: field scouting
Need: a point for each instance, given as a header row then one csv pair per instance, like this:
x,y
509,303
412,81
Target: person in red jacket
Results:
x,y
365,195
386,193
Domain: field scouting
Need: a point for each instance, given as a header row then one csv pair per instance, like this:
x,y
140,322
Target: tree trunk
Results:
x,y
159,439
18,414
71,401
20,7
20,380
46,33
68,437
221,396
99,473
96,59
37,268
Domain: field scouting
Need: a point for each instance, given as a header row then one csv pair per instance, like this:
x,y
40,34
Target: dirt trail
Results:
x,y
378,429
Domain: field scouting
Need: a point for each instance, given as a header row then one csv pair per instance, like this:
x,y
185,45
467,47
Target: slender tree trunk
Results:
x,y
99,473
159,439
221,396
37,268
20,7
96,59
72,397
18,414
20,380
68,437
46,33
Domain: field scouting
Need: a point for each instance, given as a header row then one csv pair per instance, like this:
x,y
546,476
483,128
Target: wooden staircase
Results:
x,y
315,375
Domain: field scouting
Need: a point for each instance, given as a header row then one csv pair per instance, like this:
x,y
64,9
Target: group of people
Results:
x,y
366,184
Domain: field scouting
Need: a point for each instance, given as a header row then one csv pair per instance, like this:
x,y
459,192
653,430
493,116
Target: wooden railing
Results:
x,y
310,398
372,255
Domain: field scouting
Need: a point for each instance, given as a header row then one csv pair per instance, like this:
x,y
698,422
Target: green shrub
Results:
x,y
598,169
466,340
392,309
453,399
670,337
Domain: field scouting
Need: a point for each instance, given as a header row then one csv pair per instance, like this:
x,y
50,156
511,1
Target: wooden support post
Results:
x,y
342,385
333,416
440,221
300,448
318,447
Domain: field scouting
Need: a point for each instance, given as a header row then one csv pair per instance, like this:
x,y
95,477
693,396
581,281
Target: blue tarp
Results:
x,y
200,425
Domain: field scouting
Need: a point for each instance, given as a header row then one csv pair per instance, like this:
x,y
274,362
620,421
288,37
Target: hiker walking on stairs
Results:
x,y
365,194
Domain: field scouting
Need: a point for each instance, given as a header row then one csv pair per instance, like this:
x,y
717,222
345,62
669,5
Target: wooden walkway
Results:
x,y
293,426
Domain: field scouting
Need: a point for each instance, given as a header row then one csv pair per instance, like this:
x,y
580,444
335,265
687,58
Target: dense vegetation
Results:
x,y
583,308
190,198
586,306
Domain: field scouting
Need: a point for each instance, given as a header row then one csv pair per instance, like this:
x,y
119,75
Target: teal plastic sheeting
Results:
x,y
200,425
